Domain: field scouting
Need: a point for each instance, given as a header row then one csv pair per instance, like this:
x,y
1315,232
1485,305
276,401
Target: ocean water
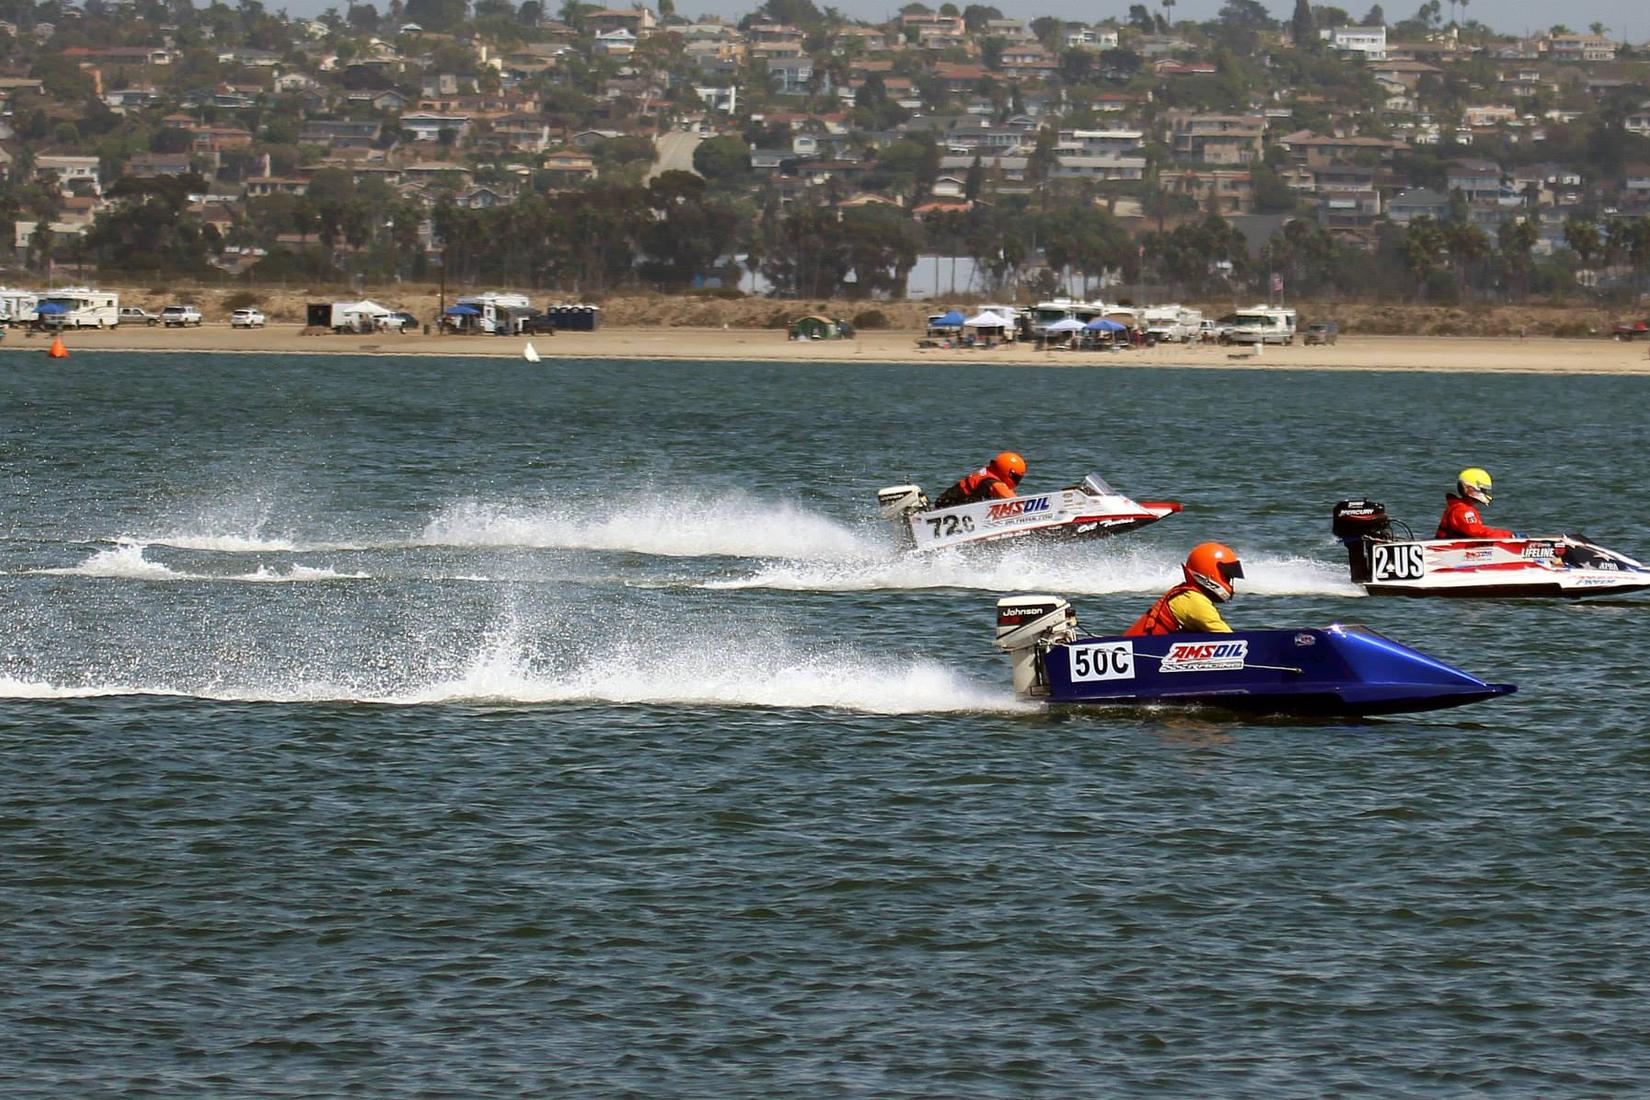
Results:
x,y
438,727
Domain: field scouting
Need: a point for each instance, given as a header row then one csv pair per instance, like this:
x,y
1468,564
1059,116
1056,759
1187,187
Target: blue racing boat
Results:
x,y
1337,670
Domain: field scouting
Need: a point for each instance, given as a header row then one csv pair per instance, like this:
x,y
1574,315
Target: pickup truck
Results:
x,y
137,315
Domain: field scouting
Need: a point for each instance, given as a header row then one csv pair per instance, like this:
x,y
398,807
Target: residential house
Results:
x,y
1476,179
615,43
1635,186
1101,166
566,168
1316,151
74,175
1367,43
1099,142
637,22
771,40
1076,36
1578,47
1229,189
1215,139
258,187
1406,206
341,134
149,165
793,75
1407,72
428,125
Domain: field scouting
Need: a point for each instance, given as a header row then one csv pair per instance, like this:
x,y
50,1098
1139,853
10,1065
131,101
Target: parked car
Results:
x,y
400,321
539,324
246,318
1322,332
1632,330
137,315
179,316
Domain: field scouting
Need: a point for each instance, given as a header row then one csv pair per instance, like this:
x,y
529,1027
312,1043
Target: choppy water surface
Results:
x,y
465,728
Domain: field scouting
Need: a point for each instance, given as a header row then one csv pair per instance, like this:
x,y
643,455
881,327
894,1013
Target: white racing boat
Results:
x,y
1388,563
1089,509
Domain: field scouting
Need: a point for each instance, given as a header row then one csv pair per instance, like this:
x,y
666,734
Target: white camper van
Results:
x,y
499,314
79,307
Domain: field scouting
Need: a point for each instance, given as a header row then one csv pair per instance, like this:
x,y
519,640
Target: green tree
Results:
x,y
1302,29
724,161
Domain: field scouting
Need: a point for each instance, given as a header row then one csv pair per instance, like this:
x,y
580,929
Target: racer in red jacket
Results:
x,y
996,480
1461,509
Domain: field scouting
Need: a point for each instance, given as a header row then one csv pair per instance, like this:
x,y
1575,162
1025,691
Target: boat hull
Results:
x,y
1091,509
1336,671
1561,567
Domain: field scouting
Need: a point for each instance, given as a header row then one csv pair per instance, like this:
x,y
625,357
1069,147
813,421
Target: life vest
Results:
x,y
1158,619
971,489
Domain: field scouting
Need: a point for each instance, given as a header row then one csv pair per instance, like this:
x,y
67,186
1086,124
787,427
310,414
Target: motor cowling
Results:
x,y
1026,627
898,501
1360,519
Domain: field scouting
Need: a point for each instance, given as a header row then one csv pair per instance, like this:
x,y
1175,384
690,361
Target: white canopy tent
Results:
x,y
985,320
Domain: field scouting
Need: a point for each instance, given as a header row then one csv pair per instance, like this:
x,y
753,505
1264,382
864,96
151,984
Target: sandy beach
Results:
x,y
1535,355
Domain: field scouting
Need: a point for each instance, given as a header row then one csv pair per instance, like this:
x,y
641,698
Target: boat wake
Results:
x,y
1079,571
127,562
504,671
694,526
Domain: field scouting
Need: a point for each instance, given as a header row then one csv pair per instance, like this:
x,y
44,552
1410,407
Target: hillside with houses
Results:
x,y
1420,157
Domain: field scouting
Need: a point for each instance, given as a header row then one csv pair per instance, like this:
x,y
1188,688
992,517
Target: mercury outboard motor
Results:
x,y
1357,523
1026,627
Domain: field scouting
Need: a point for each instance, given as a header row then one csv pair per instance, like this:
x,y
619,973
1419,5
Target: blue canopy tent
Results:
x,y
463,311
1100,324
950,319
51,307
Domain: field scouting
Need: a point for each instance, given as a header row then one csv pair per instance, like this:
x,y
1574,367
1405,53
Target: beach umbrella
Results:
x,y
51,307
1069,324
463,311
986,320
1100,324
949,319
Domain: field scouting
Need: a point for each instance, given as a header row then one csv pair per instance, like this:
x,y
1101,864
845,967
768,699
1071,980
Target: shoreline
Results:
x,y
1434,354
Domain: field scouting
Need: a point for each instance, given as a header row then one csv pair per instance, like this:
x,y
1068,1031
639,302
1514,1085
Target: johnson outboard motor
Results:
x,y
1358,523
1026,627
899,501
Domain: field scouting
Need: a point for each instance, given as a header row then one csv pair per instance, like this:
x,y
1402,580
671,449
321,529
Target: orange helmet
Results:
x,y
1213,566
1008,467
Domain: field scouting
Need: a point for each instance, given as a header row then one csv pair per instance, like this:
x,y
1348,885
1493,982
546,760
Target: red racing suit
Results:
x,y
972,488
1461,521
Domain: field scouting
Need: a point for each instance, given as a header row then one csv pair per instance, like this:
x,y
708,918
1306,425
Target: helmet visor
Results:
x,y
1015,476
1231,571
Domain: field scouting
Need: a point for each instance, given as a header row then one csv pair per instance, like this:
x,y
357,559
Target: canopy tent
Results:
x,y
362,308
948,319
463,311
1100,324
1068,324
985,320
51,307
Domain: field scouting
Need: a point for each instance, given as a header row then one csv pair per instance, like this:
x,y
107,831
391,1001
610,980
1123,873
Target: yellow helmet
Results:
x,y
1474,484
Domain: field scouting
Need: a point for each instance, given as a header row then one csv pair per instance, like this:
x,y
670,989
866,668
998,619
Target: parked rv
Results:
x,y
79,307
1172,324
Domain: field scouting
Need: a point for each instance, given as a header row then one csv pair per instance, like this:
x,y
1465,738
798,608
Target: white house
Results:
x,y
1369,43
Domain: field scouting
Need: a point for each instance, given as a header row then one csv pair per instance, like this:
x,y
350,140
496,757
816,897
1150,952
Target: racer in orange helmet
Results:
x,y
996,480
1189,607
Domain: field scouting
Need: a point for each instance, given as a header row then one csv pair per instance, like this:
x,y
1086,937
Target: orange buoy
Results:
x,y
57,350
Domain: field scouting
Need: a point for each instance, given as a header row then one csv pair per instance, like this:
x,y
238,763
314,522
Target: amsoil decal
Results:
x,y
1205,656
1011,509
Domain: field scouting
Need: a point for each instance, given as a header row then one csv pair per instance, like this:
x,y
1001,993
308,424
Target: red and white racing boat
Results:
x,y
1389,564
1089,509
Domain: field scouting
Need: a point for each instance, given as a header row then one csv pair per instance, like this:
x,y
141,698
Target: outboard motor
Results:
x,y
1026,627
1357,523
899,501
